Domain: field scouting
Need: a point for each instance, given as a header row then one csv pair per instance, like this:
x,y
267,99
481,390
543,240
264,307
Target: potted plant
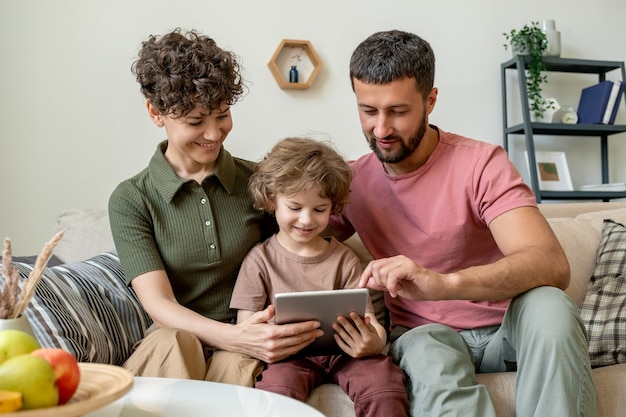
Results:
x,y
532,41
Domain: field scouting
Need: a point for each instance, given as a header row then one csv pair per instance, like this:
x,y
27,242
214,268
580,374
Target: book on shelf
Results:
x,y
612,186
593,102
610,104
618,99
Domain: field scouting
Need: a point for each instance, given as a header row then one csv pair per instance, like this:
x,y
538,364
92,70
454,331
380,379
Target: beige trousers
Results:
x,y
175,353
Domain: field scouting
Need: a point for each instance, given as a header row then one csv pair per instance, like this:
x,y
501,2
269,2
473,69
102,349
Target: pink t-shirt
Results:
x,y
437,216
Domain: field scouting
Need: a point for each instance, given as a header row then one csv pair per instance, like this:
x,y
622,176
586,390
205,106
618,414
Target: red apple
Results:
x,y
66,371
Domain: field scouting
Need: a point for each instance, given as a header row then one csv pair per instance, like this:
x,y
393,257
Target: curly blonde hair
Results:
x,y
297,165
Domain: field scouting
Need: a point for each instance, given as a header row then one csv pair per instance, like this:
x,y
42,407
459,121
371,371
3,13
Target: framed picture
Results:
x,y
552,171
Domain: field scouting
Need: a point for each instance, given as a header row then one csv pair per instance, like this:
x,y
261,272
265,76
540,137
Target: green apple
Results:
x,y
16,342
33,377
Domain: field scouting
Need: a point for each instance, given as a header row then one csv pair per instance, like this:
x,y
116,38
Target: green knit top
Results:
x,y
197,233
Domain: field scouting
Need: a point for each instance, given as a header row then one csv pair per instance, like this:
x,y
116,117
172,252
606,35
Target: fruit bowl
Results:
x,y
99,385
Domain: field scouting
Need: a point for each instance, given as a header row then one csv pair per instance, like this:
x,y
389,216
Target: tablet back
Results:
x,y
323,306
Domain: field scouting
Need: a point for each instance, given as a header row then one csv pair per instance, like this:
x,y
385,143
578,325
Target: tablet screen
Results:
x,y
323,306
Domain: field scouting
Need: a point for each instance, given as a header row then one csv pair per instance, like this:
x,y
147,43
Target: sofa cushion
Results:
x,y
580,237
331,400
579,241
87,309
604,307
86,233
597,218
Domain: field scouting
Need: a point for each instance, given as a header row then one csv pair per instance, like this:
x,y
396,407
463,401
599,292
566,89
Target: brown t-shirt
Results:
x,y
269,268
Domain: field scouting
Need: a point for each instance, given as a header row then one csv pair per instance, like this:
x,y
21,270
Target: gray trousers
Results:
x,y
542,336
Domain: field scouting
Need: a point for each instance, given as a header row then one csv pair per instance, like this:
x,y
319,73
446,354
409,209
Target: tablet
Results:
x,y
323,306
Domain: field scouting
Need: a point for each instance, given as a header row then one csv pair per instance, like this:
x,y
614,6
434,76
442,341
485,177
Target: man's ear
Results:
x,y
154,114
431,100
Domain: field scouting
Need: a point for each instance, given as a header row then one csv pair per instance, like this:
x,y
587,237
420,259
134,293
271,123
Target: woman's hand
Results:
x,y
258,337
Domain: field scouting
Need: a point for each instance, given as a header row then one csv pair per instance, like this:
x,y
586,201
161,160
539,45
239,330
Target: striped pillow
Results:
x,y
87,309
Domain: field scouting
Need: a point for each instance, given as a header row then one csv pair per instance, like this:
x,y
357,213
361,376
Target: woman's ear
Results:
x,y
154,114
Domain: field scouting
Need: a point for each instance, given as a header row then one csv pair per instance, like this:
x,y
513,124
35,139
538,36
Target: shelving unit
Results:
x,y
529,128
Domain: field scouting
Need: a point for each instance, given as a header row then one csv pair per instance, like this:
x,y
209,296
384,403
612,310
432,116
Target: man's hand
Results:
x,y
259,338
400,276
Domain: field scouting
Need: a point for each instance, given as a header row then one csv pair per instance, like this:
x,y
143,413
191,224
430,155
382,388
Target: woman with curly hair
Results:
x,y
183,224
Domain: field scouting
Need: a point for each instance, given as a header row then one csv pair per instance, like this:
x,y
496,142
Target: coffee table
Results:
x,y
167,397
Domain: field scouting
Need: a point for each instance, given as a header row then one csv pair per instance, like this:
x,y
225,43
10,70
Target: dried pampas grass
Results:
x,y
13,302
10,289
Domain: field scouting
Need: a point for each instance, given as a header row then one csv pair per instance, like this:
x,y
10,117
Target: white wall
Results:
x,y
73,123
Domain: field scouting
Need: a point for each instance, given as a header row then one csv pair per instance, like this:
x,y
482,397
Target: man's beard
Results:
x,y
405,149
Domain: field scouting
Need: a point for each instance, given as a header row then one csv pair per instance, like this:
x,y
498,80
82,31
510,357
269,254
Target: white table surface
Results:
x,y
152,397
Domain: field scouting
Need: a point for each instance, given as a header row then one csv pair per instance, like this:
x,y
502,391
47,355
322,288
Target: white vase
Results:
x,y
554,38
20,323
548,113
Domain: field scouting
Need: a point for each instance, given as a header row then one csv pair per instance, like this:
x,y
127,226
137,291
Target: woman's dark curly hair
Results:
x,y
179,71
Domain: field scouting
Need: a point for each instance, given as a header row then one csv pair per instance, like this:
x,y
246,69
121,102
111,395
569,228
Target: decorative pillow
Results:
x,y
604,308
53,261
87,309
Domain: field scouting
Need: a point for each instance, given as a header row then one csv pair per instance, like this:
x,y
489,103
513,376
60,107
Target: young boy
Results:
x,y
302,182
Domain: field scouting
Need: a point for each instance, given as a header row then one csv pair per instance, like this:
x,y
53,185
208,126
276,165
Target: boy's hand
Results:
x,y
358,340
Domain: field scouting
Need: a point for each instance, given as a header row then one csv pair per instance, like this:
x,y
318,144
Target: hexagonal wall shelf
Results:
x,y
303,56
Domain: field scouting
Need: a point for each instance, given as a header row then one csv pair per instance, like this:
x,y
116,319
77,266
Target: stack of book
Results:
x,y
613,186
599,103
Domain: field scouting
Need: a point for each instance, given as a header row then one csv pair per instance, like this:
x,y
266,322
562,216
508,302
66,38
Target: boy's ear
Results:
x,y
154,114
271,207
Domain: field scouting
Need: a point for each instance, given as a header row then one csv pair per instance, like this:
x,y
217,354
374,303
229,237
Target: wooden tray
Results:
x,y
99,385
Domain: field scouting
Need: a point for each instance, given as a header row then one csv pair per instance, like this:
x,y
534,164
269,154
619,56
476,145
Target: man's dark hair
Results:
x,y
392,55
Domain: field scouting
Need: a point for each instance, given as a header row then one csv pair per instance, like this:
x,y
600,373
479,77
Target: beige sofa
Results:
x,y
577,226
